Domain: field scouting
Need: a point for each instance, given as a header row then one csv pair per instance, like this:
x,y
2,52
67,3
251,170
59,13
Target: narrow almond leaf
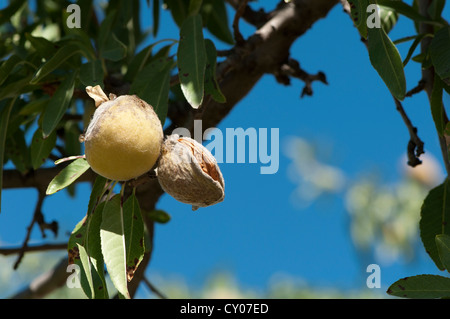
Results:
x,y
62,55
112,236
18,152
358,13
134,234
152,84
386,59
413,47
43,47
178,9
67,175
192,60
41,148
421,286
440,53
404,9
388,18
84,250
105,29
437,107
435,219
214,14
8,66
144,57
443,246
4,119
211,85
58,105
91,73
113,49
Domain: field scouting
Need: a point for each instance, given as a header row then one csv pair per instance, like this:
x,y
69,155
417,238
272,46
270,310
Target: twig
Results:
x,y
153,288
239,12
419,88
44,247
256,18
37,212
415,144
292,69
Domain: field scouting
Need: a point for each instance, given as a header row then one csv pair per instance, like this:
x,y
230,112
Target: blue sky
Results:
x,y
257,231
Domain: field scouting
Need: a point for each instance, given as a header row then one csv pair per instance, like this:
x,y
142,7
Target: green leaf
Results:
x,y
67,175
192,60
413,47
84,249
437,107
58,104
35,106
435,219
440,53
388,18
152,84
144,57
91,73
404,9
134,234
113,244
62,55
214,15
158,216
105,29
113,49
41,148
386,59
443,245
194,6
4,119
8,66
71,138
16,88
211,85
178,9
43,47
435,9
358,13
421,286
18,151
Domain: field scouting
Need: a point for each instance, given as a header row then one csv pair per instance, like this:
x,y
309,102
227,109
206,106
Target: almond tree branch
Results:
x,y
262,53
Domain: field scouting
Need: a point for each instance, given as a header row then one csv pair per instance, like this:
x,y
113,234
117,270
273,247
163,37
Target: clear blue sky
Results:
x,y
257,231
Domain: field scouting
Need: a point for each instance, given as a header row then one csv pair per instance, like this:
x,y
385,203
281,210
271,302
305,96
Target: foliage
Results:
x,y
46,65
435,212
